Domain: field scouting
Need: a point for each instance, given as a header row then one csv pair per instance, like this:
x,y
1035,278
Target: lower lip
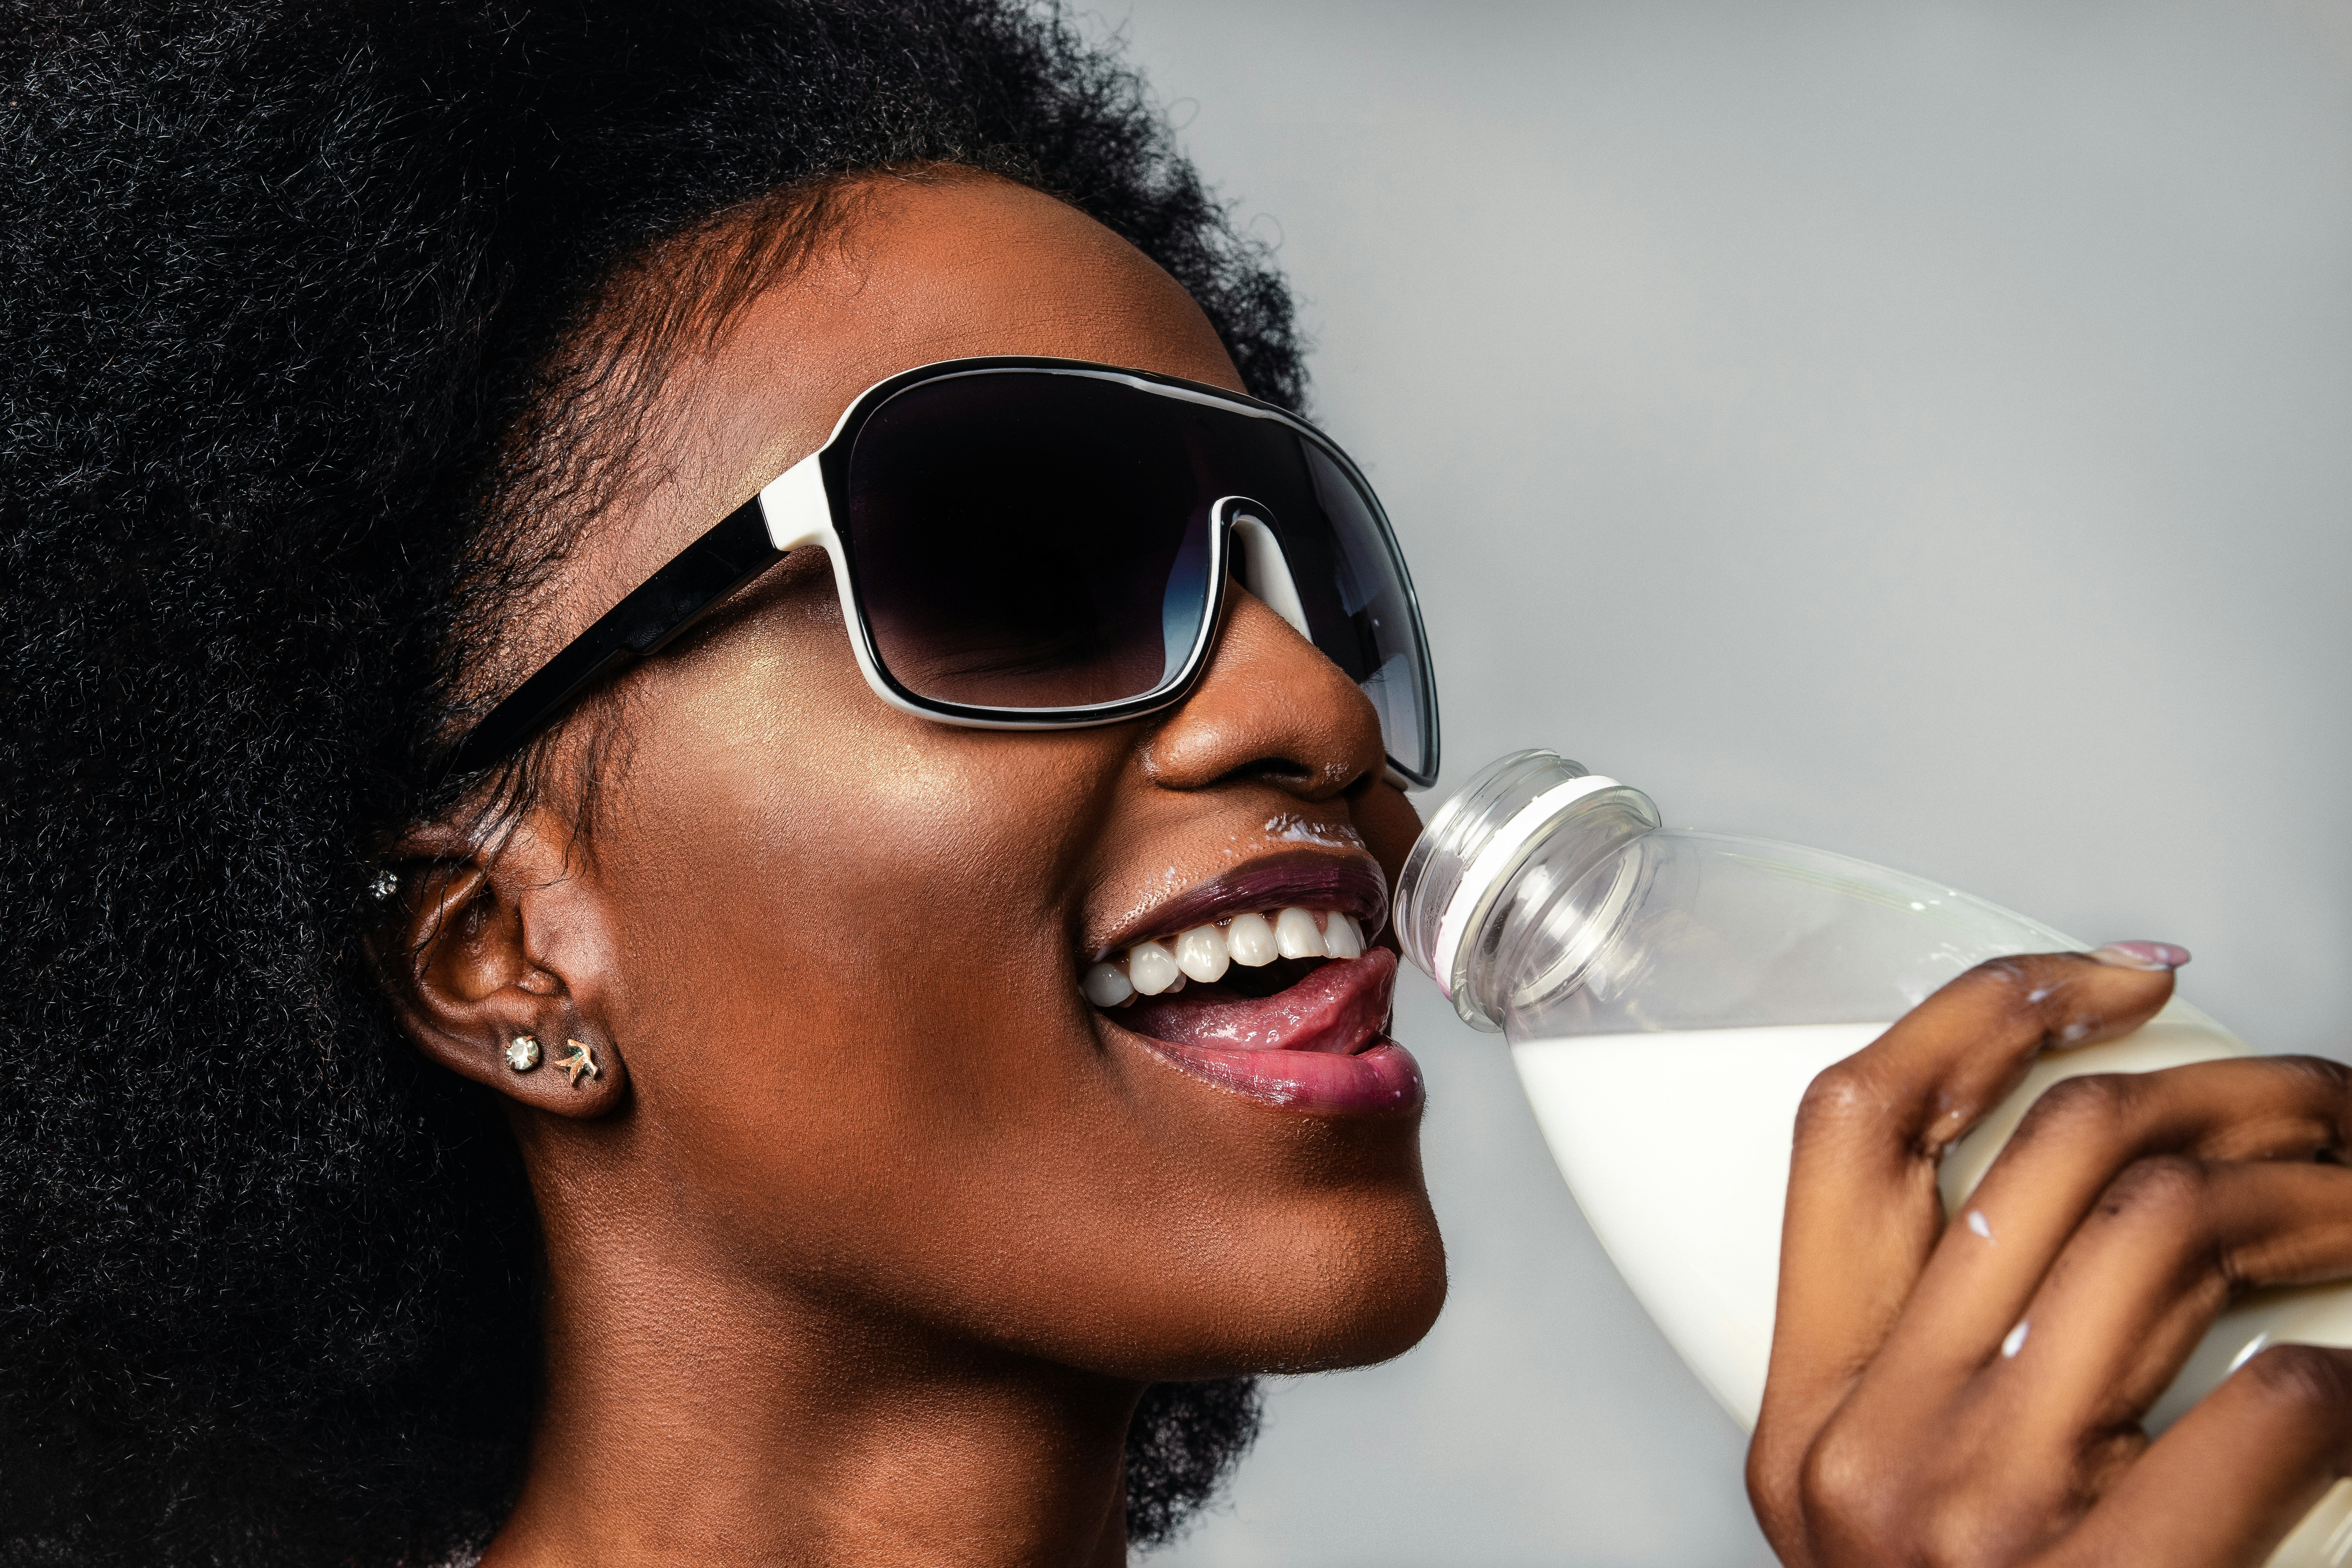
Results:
x,y
1379,1077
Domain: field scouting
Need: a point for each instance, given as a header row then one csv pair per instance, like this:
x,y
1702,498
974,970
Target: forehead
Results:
x,y
920,272
916,271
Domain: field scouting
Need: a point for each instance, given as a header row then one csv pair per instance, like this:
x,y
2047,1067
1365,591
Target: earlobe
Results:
x,y
560,1073
467,964
524,1054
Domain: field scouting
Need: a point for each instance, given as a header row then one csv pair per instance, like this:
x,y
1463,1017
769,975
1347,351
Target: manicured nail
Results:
x,y
2142,955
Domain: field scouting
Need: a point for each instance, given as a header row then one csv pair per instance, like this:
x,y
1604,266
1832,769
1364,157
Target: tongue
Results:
x,y
1340,1008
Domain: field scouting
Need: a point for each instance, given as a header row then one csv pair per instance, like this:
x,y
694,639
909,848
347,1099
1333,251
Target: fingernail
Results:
x,y
2142,955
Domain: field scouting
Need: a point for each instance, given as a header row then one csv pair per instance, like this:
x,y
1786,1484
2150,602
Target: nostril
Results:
x,y
1289,772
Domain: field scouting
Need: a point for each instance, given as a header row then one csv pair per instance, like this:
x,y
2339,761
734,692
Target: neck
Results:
x,y
690,1417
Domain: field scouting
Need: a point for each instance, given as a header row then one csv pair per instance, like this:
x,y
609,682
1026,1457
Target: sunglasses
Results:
x,y
1041,543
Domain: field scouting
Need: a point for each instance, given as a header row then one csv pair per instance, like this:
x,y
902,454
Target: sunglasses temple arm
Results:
x,y
696,578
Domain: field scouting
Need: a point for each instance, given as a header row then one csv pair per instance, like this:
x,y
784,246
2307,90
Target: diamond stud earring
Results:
x,y
522,1053
581,1060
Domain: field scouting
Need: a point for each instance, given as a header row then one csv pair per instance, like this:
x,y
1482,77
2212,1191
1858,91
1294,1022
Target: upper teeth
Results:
x,y
1203,953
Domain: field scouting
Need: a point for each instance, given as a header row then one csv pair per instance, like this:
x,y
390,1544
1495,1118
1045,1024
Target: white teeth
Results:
x,y
1296,934
1106,985
1251,941
1201,953
1151,968
1205,953
1345,937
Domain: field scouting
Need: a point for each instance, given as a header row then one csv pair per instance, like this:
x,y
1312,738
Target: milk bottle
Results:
x,y
1668,995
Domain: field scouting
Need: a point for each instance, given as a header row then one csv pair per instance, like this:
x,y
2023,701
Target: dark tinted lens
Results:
x,y
1357,599
1022,539
1359,607
1030,541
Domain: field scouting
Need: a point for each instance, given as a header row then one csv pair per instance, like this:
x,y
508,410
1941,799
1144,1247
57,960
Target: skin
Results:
x,y
2123,1216
868,1233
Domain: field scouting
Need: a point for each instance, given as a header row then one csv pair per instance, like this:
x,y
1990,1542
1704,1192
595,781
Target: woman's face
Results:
x,y
839,948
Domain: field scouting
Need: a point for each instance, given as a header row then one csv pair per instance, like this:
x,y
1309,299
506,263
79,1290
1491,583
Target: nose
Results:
x,y
1269,707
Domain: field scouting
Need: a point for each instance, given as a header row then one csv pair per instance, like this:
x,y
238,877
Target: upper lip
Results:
x,y
1316,878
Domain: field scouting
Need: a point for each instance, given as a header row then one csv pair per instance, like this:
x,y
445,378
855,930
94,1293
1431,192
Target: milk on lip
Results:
x,y
1669,996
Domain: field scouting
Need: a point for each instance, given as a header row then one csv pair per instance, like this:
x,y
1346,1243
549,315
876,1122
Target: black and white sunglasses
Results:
x,y
1040,544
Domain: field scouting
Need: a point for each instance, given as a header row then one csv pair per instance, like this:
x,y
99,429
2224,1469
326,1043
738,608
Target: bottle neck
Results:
x,y
1504,850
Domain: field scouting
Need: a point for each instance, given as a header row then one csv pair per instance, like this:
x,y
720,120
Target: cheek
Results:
x,y
846,943
1390,825
847,991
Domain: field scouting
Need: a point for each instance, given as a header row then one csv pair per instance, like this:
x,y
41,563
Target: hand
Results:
x,y
1965,1394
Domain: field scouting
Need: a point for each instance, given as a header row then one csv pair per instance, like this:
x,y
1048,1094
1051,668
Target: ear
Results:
x,y
495,962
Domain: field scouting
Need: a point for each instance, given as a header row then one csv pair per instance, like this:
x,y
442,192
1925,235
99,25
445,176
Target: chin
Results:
x,y
1314,1298
1353,1269
1372,1314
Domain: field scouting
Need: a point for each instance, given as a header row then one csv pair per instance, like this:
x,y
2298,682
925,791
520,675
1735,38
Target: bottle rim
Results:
x,y
1474,846
1433,870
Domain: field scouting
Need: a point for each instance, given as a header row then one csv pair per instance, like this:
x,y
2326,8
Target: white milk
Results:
x,y
1676,1146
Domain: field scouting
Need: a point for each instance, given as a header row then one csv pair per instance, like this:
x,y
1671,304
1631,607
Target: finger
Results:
x,y
2233,1476
2078,1137
1863,1214
1957,1054
2039,1422
2165,1247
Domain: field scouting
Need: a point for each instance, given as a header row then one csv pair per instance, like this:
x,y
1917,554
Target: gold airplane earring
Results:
x,y
581,1060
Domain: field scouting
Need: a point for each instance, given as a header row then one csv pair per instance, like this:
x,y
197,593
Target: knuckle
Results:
x,y
2163,1188
2093,1108
1839,1484
1955,1536
2300,1378
2325,1074
2330,1081
1829,1491
1863,1500
2022,977
2040,991
1844,1097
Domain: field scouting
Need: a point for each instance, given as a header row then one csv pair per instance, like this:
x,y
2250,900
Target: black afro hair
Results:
x,y
279,282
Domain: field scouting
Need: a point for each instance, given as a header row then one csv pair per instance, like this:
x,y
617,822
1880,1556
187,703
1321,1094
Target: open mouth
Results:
x,y
1284,1001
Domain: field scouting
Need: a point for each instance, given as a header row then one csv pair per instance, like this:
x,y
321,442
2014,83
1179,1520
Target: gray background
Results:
x,y
1924,431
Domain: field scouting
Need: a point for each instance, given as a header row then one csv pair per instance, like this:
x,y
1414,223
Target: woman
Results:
x,y
472,1085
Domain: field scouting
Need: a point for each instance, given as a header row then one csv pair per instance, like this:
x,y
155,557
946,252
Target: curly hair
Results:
x,y
280,283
